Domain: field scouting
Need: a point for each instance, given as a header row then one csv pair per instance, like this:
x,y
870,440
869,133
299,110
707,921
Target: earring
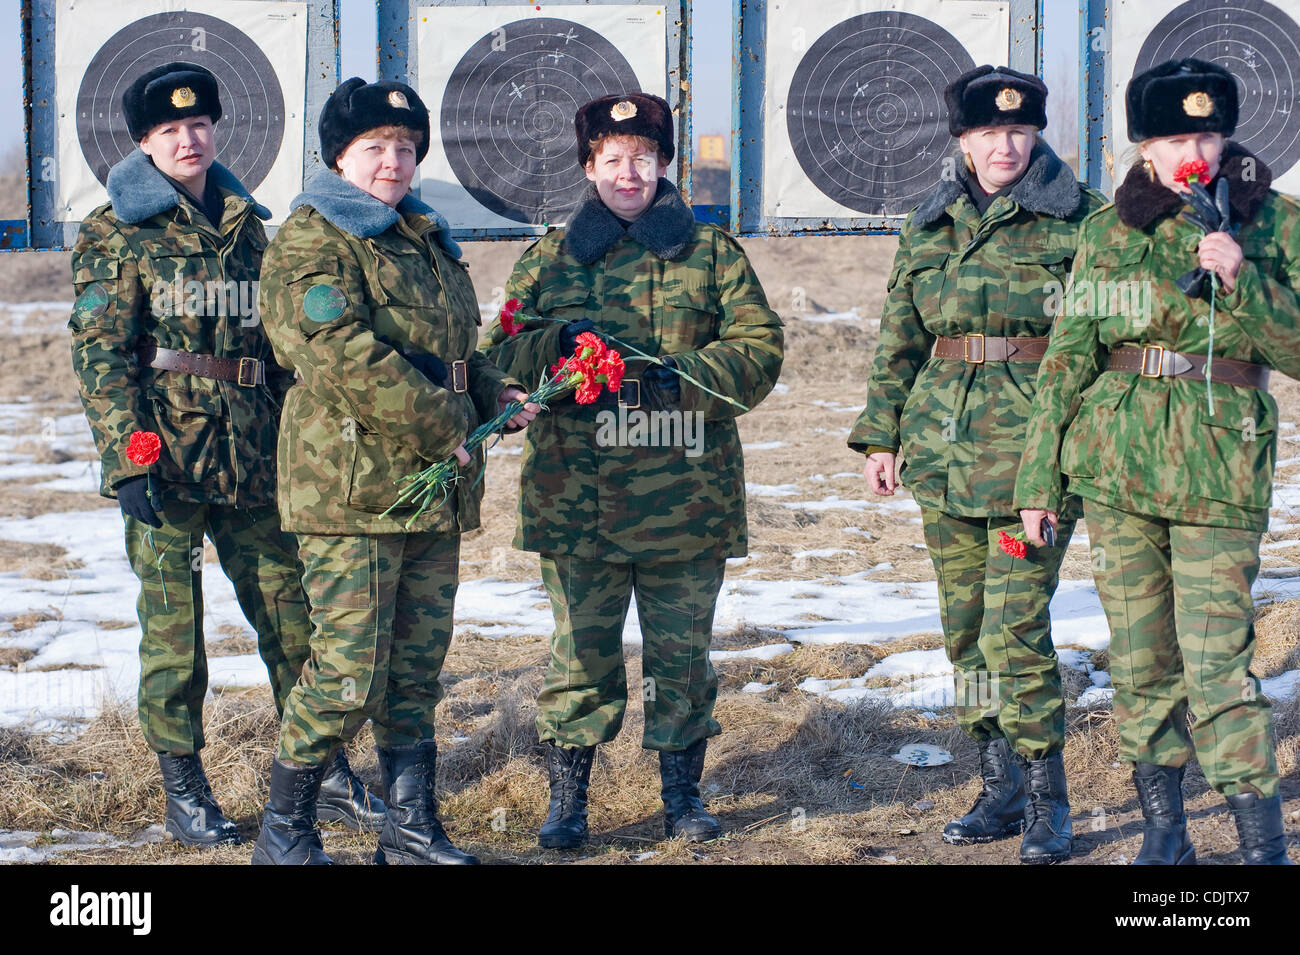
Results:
x,y
970,164
1151,170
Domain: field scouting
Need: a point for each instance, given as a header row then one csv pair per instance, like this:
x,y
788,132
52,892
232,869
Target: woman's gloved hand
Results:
x,y
133,497
664,380
569,335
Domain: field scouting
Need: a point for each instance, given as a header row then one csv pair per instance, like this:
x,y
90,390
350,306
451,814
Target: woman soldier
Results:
x,y
1176,471
364,296
192,368
964,326
611,516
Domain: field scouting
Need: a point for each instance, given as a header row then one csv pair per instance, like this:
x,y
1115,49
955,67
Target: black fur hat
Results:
x,y
357,107
625,114
995,96
1177,97
169,92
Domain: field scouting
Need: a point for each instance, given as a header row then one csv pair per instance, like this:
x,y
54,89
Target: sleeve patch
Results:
x,y
324,303
93,302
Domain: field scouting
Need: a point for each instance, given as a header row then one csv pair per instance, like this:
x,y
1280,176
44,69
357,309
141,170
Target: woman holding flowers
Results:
x,y
364,297
611,510
969,306
1159,417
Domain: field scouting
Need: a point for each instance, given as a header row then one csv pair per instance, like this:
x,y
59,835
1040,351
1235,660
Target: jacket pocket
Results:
x,y
378,465
686,316
1230,454
566,301
927,272
1091,446
192,427
1034,280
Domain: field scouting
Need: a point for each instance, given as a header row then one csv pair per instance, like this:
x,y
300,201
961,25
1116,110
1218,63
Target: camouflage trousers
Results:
x,y
584,695
1182,636
381,611
997,630
259,558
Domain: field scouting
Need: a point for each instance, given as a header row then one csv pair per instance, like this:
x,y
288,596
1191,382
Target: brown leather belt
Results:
x,y
1156,361
977,349
245,372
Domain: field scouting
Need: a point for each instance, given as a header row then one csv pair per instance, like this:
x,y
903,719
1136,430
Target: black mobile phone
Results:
x,y
1049,532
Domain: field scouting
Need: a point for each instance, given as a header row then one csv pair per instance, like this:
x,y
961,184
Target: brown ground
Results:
x,y
794,778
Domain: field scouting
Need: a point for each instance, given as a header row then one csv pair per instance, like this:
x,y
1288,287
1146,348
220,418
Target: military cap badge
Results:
x,y
623,109
1009,99
397,98
1198,104
183,97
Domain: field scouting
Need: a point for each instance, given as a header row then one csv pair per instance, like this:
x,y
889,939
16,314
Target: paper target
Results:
x,y
255,48
854,119
503,85
251,129
1259,42
865,110
507,114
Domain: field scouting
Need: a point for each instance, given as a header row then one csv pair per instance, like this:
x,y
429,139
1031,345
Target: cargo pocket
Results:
x,y
686,315
1033,282
1233,450
1091,446
378,465
192,427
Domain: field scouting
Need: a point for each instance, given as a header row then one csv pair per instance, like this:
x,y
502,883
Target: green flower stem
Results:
x,y
153,499
1209,350
640,354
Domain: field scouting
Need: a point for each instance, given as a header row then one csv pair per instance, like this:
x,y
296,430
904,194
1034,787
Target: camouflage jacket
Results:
x,y
1152,445
148,266
350,288
961,426
668,286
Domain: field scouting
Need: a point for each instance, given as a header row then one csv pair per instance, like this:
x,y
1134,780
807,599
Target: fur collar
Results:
x,y
665,228
1047,187
1140,202
356,211
138,190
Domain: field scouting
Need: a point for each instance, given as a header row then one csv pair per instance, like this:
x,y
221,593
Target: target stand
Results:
x,y
259,50
503,81
839,106
1258,41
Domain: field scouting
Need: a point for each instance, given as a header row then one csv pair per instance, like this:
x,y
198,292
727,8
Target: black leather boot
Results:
x,y
344,798
1164,832
412,833
569,769
684,814
1048,830
1259,827
193,816
999,810
289,835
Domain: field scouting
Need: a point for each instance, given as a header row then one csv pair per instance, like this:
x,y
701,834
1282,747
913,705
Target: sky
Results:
x,y
711,55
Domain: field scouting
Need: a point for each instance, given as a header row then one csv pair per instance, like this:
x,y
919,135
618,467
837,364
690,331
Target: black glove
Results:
x,y
663,385
569,335
431,366
133,496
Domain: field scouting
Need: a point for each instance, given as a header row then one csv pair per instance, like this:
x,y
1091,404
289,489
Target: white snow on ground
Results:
x,y
764,446
21,845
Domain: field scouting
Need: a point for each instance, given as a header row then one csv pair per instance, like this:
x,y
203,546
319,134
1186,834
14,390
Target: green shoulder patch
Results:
x,y
93,302
324,303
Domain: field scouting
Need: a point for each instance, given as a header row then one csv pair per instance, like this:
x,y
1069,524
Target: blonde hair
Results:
x,y
393,132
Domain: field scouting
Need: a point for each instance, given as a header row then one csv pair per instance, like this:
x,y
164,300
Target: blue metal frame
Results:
x,y
397,58
1094,97
45,230
749,92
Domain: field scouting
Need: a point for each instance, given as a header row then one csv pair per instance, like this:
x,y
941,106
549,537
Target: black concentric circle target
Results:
x,y
865,110
251,128
507,114
1260,45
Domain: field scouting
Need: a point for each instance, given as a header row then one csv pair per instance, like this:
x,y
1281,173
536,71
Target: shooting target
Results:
x,y
255,48
854,119
507,114
865,110
503,86
1259,42
251,128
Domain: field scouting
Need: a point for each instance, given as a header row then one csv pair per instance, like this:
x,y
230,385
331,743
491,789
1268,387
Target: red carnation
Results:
x,y
1012,545
1191,171
508,317
589,340
610,370
143,448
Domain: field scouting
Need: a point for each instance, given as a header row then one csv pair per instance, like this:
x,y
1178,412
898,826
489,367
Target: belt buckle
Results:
x,y
459,376
1146,362
622,401
250,373
965,348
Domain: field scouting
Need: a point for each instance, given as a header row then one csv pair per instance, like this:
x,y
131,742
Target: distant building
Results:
x,y
712,149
